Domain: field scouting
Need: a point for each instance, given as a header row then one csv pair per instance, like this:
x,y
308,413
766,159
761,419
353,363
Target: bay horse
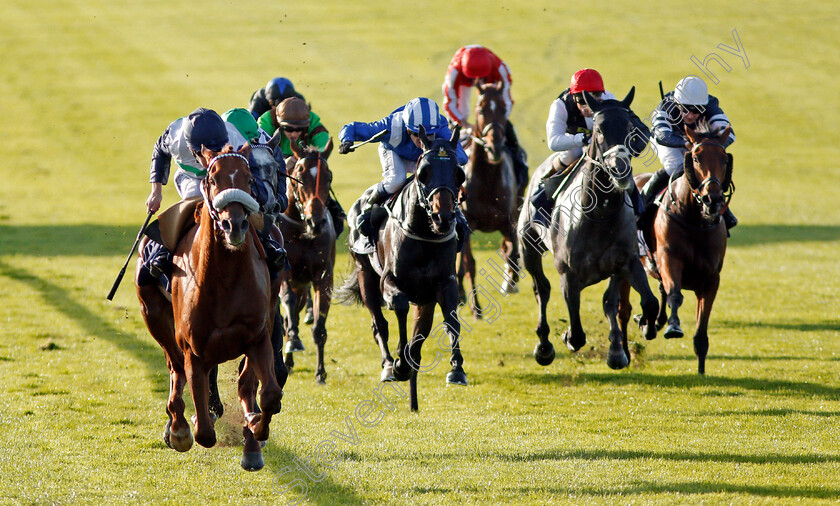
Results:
x,y
592,236
687,238
414,263
310,244
491,197
222,306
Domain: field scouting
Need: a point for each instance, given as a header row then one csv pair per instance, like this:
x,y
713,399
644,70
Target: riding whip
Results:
x,y
375,138
661,93
130,254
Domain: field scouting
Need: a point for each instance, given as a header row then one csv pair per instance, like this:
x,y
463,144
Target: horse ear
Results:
x,y
691,133
591,101
727,179
423,138
245,150
327,149
724,134
629,98
456,135
275,139
297,148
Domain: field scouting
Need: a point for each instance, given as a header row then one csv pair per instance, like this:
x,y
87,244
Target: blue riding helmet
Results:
x,y
206,128
423,111
279,89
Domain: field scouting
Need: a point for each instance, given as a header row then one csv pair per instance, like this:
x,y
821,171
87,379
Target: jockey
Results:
x,y
277,90
474,65
399,150
183,141
569,128
689,104
297,123
259,139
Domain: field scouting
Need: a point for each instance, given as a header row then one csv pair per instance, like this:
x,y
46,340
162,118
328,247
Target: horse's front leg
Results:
x,y
671,275
321,307
650,304
449,306
291,302
705,300
618,355
261,359
423,318
574,336
398,300
532,259
197,376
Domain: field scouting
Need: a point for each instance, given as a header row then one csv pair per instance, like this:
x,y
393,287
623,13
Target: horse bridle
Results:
x,y
296,187
696,192
484,131
619,151
226,196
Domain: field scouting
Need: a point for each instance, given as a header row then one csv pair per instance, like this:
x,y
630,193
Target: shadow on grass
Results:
x,y
79,240
687,491
63,302
676,456
684,381
830,325
292,485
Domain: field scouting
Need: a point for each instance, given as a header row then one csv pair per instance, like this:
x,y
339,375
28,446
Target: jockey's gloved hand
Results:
x,y
344,148
585,137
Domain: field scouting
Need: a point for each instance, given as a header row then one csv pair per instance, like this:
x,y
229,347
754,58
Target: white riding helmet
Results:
x,y
691,90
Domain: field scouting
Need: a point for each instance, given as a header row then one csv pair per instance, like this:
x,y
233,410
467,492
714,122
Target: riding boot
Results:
x,y
657,182
637,201
520,158
542,207
462,229
159,260
729,219
363,225
275,255
337,214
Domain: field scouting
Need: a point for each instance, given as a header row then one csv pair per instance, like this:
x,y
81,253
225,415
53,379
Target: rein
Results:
x,y
299,201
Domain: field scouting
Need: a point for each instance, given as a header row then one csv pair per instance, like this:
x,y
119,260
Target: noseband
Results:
x,y
227,196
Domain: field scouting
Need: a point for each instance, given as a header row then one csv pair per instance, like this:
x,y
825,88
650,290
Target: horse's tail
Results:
x,y
349,292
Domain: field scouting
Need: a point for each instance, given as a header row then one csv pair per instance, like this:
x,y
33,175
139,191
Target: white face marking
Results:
x,y
313,171
493,106
232,176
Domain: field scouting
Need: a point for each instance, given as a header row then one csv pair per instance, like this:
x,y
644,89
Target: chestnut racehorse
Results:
x,y
310,242
687,238
414,263
221,308
491,198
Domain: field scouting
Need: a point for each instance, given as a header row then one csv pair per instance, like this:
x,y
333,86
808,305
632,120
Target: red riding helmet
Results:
x,y
476,63
587,80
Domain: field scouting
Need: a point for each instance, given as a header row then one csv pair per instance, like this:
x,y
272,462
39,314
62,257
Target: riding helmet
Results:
x,y
691,90
476,62
422,111
293,112
243,121
204,127
586,80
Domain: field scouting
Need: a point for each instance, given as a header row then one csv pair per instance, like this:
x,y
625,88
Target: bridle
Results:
x,y
296,188
696,193
228,195
600,160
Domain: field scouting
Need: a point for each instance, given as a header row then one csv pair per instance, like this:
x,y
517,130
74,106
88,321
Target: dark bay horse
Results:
x,y
310,243
687,238
222,306
491,199
592,236
414,263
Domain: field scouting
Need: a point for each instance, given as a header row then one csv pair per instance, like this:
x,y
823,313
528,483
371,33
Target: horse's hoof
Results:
x,y
252,461
508,287
387,373
294,346
401,372
321,380
673,332
181,441
544,355
166,433
617,358
456,377
573,346
308,318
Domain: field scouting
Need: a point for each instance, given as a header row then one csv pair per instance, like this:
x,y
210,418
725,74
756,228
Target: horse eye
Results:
x,y
212,182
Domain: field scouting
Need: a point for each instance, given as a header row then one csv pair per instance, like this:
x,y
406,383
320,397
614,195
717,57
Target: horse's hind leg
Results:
x,y
468,264
452,326
532,259
574,337
705,300
292,302
650,305
625,310
260,359
372,299
670,274
617,356
510,248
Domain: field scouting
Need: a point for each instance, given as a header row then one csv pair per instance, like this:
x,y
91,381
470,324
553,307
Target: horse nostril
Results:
x,y
226,226
245,224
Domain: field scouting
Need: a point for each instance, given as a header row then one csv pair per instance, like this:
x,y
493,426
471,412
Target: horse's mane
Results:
x,y
310,150
704,130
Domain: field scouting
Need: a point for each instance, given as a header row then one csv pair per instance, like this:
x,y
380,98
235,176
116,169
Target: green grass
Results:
x,y
88,86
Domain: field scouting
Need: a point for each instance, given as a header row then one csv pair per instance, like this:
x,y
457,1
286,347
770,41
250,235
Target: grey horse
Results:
x,y
592,236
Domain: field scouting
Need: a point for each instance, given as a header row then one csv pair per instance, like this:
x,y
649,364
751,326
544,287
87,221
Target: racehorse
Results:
x,y
491,198
592,236
687,238
310,243
222,306
414,263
